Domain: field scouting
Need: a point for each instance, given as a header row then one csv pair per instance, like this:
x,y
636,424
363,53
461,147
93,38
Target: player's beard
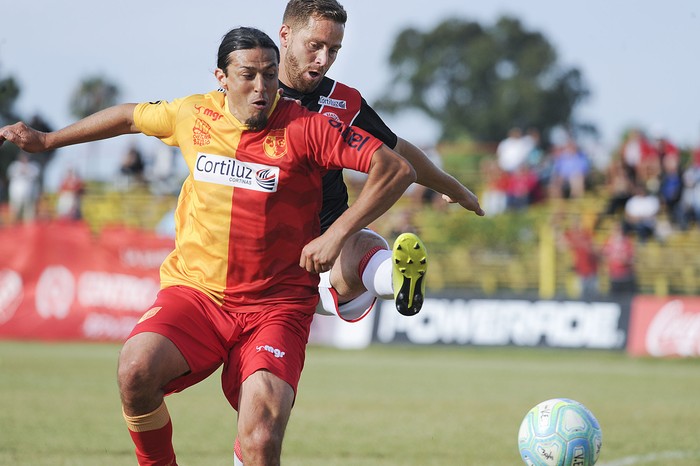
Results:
x,y
295,74
257,122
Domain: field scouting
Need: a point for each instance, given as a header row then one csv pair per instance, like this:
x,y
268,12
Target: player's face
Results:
x,y
308,52
251,83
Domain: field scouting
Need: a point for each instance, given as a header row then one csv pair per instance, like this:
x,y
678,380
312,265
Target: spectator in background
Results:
x,y
512,152
505,179
539,163
635,149
689,205
665,149
493,196
618,254
671,188
23,188
641,212
535,154
569,172
619,187
131,170
578,240
70,196
520,186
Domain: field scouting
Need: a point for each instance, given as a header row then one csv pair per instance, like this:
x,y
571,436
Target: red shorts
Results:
x,y
271,338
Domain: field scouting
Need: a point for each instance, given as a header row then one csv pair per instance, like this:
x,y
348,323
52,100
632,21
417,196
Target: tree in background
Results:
x,y
9,91
92,95
478,82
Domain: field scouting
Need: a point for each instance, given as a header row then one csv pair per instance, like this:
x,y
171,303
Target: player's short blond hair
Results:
x,y
298,12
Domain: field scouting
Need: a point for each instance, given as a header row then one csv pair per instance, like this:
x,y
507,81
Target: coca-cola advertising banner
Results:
x,y
665,327
58,281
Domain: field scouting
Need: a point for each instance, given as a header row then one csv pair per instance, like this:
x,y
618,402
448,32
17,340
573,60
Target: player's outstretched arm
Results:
x,y
433,177
388,178
107,123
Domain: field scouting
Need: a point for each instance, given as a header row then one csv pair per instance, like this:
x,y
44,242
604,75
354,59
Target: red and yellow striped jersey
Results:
x,y
252,198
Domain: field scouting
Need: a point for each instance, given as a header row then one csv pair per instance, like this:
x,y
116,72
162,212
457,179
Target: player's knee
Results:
x,y
363,241
346,278
140,377
134,377
261,445
147,362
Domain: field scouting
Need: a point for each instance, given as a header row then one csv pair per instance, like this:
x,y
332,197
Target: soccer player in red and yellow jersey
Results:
x,y
240,288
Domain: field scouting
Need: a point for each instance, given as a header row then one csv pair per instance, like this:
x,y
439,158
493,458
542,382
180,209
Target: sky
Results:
x,y
638,57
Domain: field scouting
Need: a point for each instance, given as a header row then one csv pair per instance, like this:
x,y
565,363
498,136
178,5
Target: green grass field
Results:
x,y
377,407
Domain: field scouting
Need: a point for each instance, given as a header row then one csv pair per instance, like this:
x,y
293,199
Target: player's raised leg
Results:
x,y
367,269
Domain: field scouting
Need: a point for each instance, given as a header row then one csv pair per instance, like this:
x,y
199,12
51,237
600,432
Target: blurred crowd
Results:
x,y
648,183
26,200
649,188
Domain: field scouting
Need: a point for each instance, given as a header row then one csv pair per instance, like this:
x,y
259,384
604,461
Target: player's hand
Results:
x,y
23,136
469,201
280,91
319,255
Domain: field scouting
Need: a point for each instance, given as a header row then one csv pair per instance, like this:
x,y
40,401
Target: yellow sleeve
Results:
x,y
158,119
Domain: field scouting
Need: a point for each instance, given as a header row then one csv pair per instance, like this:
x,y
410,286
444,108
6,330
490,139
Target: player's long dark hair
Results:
x,y
243,38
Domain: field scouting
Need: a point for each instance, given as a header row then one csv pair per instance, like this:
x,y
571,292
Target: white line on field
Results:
x,y
640,459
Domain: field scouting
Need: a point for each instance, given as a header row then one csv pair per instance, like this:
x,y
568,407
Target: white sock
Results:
x,y
377,275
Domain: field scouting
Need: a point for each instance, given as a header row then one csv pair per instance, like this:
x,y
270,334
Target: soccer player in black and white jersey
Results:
x,y
310,38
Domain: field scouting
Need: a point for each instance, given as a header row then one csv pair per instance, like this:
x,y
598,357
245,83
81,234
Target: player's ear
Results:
x,y
221,78
285,31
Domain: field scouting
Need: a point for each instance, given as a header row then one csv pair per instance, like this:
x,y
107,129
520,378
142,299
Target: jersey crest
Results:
x,y
201,133
331,115
275,144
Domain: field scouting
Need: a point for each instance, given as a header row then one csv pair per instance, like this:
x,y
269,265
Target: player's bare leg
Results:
x,y
147,362
345,274
264,408
366,264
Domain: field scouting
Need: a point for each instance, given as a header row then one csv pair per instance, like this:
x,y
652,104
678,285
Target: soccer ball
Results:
x,y
560,432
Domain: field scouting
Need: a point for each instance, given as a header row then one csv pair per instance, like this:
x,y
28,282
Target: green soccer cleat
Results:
x,y
410,264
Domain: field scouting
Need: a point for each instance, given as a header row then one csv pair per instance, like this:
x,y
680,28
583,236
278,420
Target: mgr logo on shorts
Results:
x,y
227,171
276,352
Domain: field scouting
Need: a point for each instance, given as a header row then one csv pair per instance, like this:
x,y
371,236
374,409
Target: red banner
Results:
x,y
664,327
59,282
